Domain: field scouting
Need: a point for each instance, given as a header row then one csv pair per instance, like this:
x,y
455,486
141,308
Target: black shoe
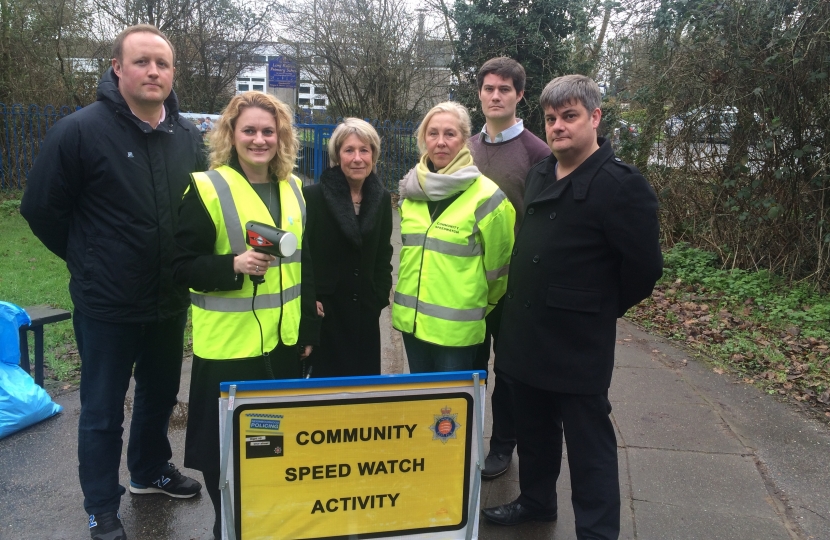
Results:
x,y
514,513
495,465
171,482
106,526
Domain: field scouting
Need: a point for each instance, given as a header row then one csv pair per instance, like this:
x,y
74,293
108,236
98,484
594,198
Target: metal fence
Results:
x,y
23,128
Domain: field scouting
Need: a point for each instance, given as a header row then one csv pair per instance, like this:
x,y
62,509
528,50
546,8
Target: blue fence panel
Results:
x,y
22,131
313,158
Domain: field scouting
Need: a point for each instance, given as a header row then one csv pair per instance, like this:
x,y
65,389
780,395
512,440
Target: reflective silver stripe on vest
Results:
x,y
229,213
497,273
406,300
440,312
239,305
413,239
442,246
299,195
295,258
489,205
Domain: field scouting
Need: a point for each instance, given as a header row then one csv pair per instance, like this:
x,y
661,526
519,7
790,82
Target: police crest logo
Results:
x,y
444,426
263,437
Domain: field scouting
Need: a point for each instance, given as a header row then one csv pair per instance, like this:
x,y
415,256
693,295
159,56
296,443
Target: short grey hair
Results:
x,y
353,126
567,89
456,109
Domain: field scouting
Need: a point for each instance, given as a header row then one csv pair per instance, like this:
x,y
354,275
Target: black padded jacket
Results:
x,y
103,194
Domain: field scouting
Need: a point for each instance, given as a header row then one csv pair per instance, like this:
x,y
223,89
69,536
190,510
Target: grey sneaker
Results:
x,y
106,526
171,482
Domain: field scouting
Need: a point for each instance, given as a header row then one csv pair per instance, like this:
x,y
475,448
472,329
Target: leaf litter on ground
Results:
x,y
755,326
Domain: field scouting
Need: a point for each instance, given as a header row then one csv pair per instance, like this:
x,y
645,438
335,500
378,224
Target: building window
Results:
x,y
321,102
261,59
259,87
305,90
321,90
254,79
243,87
304,101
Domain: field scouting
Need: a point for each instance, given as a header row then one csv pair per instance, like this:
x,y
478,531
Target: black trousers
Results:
x,y
541,418
202,440
503,437
111,353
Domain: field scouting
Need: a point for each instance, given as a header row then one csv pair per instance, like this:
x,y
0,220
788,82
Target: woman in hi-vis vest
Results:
x,y
456,239
236,336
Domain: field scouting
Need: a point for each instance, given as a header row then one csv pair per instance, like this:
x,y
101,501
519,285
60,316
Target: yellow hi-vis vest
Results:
x,y
224,326
453,270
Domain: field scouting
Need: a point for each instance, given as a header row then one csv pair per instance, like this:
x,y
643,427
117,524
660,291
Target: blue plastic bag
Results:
x,y
22,402
12,317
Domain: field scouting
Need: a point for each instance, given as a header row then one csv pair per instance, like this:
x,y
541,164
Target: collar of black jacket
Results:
x,y
338,199
580,178
108,91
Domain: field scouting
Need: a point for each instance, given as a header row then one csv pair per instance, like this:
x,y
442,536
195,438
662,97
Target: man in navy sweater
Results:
x,y
504,152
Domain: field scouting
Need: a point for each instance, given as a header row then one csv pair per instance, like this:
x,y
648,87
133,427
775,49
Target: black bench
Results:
x,y
41,316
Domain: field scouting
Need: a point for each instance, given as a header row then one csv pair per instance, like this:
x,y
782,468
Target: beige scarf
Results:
x,y
421,184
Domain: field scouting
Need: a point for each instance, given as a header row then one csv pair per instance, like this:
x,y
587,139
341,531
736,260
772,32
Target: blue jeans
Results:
x,y
108,353
426,357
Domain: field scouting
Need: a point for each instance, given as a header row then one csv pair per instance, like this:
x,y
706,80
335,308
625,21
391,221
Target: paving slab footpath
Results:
x,y
702,456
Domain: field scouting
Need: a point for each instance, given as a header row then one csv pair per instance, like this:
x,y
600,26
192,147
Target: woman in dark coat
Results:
x,y
348,230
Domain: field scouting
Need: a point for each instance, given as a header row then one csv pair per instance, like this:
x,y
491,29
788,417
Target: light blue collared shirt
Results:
x,y
510,133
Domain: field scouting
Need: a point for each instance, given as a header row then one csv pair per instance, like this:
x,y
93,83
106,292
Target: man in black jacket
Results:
x,y
587,251
103,195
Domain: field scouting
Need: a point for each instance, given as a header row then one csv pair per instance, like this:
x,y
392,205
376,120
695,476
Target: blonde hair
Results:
x,y
354,126
456,109
288,145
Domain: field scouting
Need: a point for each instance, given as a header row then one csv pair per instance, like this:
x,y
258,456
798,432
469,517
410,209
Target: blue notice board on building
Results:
x,y
282,73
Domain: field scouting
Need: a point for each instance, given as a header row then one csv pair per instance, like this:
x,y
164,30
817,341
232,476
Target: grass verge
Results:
x,y
769,333
31,275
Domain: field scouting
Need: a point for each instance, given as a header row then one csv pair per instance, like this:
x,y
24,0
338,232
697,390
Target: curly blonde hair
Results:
x,y
456,109
288,145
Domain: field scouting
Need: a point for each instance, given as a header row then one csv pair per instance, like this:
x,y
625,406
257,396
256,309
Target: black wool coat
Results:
x,y
587,251
352,272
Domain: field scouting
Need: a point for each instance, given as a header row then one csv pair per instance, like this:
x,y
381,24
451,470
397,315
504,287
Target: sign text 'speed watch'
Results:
x,y
356,467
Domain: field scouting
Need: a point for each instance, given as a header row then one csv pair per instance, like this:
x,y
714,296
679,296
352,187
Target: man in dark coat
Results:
x,y
103,195
587,251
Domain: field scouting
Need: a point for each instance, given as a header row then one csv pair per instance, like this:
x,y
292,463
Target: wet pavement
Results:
x,y
702,456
